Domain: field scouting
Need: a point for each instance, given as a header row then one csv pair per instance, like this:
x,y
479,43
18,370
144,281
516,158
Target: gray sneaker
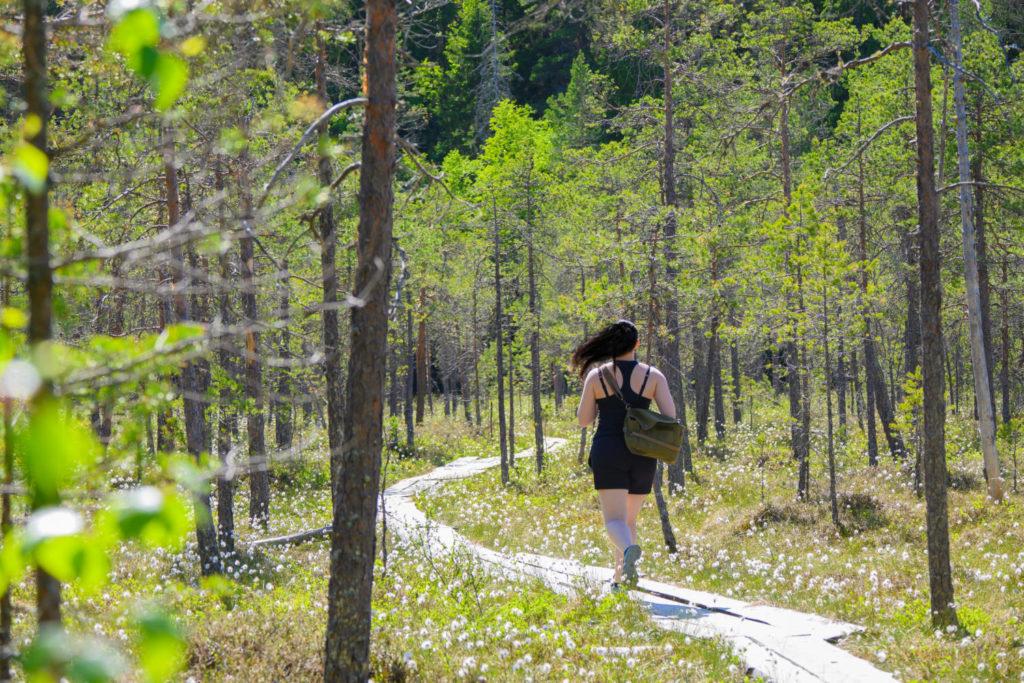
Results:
x,y
630,556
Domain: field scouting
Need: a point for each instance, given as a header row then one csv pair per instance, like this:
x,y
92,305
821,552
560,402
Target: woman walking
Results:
x,y
623,479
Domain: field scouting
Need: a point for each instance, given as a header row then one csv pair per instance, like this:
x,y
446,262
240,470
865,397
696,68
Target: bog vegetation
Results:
x,y
261,260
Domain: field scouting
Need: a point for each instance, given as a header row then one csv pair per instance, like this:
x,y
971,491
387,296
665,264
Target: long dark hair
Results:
x,y
616,339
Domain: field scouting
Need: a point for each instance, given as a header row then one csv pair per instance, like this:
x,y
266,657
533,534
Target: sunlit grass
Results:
x,y
784,552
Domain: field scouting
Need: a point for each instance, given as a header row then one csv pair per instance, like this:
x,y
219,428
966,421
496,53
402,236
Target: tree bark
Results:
x,y
259,478
283,424
1004,365
668,343
422,383
499,354
333,377
737,397
189,381
933,454
980,354
227,425
716,377
37,249
408,409
534,304
912,329
981,241
353,533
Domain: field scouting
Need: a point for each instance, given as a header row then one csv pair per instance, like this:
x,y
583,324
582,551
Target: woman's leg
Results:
x,y
614,509
634,501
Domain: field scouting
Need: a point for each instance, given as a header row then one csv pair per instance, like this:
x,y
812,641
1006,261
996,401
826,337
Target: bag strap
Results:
x,y
644,385
611,380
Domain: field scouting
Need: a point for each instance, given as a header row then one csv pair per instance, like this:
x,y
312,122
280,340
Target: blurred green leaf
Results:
x,y
170,74
53,447
13,318
55,655
153,517
136,30
31,166
161,645
12,560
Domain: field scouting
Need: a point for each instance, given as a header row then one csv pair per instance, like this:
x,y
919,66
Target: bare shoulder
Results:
x,y
655,372
655,380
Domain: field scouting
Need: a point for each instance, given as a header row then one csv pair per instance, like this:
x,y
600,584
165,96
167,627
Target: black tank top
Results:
x,y
611,414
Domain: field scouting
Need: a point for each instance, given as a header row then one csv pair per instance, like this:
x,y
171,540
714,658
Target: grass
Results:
x,y
776,550
444,619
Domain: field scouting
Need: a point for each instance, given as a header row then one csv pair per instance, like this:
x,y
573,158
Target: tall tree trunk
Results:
x,y
841,379
333,377
659,499
190,382
981,238
227,425
934,410
980,354
704,350
534,303
1004,365
668,343
832,497
357,467
737,397
37,249
716,377
912,329
410,376
259,478
422,383
283,429
511,404
499,353
476,353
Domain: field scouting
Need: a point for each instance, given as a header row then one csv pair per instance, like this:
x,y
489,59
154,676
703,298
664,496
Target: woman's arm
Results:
x,y
587,411
662,396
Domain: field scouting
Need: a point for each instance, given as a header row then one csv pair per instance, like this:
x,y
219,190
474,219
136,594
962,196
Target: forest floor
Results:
x,y
435,618
452,618
741,533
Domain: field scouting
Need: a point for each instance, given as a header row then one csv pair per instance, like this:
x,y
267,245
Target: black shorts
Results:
x,y
616,467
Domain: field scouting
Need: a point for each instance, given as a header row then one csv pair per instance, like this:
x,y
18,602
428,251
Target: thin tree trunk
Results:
x,y
283,424
934,412
511,406
912,329
499,354
227,426
659,499
716,377
668,344
832,496
422,388
981,240
534,303
737,397
1004,366
37,250
259,478
192,392
408,408
980,354
353,533
333,378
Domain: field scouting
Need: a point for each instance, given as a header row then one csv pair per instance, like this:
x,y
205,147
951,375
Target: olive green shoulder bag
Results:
x,y
647,432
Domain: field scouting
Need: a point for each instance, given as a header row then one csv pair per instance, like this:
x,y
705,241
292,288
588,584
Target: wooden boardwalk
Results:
x,y
778,644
